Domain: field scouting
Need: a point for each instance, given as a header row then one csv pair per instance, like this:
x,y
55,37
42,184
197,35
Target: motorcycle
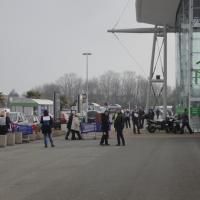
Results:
x,y
152,126
170,125
174,125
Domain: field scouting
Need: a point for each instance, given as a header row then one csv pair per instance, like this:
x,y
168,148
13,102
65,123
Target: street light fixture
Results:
x,y
87,54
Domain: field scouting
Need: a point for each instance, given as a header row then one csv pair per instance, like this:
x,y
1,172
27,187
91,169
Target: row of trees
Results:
x,y
111,87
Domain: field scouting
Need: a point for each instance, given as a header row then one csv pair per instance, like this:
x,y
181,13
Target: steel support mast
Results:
x,y
158,32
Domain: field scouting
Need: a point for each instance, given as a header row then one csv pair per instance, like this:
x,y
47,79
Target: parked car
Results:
x,y
34,121
64,117
93,116
18,118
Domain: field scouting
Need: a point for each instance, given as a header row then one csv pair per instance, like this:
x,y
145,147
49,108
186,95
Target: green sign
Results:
x,y
196,76
180,110
194,111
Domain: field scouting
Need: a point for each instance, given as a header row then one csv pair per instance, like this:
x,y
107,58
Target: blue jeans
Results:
x,y
50,139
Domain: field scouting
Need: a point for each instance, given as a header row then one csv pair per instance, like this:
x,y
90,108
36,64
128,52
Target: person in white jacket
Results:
x,y
75,128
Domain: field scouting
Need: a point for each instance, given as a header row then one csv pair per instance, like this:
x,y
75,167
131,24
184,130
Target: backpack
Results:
x,y
46,121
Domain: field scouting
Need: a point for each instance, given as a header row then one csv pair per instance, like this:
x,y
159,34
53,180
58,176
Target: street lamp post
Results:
x,y
87,54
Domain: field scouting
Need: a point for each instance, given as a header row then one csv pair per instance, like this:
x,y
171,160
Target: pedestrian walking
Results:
x,y
47,124
5,123
75,127
69,124
185,122
135,121
105,125
157,113
141,116
119,126
151,114
127,119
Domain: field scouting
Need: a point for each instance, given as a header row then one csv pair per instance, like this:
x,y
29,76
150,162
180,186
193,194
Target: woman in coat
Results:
x,y
75,127
105,124
119,126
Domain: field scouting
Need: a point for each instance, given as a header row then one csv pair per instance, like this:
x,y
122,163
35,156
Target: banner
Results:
x,y
88,127
24,129
91,127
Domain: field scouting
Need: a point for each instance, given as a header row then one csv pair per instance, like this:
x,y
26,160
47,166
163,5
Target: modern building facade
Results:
x,y
183,18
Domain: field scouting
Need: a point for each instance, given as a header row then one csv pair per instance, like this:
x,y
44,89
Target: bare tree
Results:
x,y
70,85
129,87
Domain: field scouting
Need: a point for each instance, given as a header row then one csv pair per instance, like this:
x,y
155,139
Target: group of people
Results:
x,y
120,120
137,116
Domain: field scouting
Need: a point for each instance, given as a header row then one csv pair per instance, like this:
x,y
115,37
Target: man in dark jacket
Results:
x,y
185,122
105,124
69,124
119,126
141,115
4,123
127,119
135,120
47,123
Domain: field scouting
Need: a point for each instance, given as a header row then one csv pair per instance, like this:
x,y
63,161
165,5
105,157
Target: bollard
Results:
x,y
3,140
32,136
39,136
18,138
63,127
26,138
11,139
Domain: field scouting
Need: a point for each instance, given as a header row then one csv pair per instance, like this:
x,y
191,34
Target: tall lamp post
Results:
x,y
87,54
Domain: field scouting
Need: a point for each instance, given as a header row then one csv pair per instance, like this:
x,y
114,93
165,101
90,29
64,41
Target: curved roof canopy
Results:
x,y
157,12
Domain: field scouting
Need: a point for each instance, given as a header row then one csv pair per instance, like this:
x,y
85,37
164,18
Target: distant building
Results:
x,y
31,106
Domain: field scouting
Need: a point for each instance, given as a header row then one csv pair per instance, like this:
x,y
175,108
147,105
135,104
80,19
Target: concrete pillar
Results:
x,y
32,136
11,139
39,136
18,138
3,140
63,127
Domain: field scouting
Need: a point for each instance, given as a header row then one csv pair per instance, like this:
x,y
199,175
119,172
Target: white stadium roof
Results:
x,y
157,12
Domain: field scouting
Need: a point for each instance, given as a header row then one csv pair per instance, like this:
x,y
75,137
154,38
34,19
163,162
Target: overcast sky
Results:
x,y
40,40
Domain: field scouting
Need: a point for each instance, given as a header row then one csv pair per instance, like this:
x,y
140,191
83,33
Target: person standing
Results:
x,y
47,123
127,119
119,126
105,124
75,127
185,122
5,123
135,120
69,124
141,116
157,113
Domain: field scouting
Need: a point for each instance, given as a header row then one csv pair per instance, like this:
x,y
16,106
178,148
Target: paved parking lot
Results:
x,y
149,167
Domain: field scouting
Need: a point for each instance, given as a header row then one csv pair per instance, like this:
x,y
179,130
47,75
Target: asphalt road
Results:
x,y
147,168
